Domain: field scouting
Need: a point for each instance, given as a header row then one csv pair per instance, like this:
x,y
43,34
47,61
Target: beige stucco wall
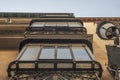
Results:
x,y
91,29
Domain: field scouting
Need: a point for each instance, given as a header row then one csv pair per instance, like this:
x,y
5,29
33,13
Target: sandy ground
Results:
x,y
6,56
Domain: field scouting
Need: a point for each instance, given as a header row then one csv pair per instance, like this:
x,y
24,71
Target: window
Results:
x,y
63,53
74,24
80,53
62,24
54,24
50,24
47,53
37,24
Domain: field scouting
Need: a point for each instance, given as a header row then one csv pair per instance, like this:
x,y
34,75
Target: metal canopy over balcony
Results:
x,y
58,52
35,15
57,57
57,45
55,27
